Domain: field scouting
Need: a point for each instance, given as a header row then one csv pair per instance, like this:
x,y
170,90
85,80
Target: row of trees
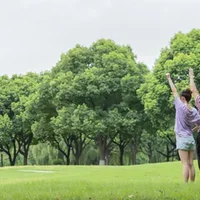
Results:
x,y
97,98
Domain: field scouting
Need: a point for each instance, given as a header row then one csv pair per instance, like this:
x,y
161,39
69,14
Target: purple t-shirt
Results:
x,y
185,118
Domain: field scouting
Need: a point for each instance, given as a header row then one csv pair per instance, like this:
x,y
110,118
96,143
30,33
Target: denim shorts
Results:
x,y
185,143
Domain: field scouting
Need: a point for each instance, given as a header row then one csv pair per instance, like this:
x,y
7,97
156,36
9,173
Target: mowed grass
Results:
x,y
146,182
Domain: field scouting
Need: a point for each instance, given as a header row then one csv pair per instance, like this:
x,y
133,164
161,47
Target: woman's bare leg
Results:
x,y
184,156
191,166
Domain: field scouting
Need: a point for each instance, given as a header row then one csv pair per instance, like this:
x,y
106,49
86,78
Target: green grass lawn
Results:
x,y
150,181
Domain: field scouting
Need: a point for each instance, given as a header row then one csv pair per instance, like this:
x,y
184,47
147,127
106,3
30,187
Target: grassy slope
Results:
x,y
151,181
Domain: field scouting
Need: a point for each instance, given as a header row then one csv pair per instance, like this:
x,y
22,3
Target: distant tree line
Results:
x,y
98,105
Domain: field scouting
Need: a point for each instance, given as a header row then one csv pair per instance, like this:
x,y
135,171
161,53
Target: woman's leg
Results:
x,y
191,166
184,156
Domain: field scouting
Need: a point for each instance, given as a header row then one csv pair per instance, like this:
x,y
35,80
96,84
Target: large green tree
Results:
x,y
182,53
24,86
102,77
16,134
110,82
54,102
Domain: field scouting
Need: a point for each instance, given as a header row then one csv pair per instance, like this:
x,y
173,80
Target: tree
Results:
x,y
24,86
96,77
155,93
9,142
54,99
124,125
75,123
104,84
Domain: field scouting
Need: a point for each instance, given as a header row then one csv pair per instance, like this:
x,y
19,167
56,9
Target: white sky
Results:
x,y
34,33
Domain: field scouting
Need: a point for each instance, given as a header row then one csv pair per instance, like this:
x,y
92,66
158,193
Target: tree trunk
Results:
x,y
1,160
26,158
67,160
25,153
102,149
12,152
68,155
12,160
102,157
168,153
108,154
135,145
66,152
150,152
77,150
27,140
121,144
134,153
134,158
107,157
121,148
77,159
150,157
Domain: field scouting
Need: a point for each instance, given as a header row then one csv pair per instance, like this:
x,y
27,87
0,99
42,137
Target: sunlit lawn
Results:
x,y
150,181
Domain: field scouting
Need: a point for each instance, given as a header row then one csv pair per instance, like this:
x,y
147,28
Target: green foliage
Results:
x,y
86,96
6,130
95,103
57,162
182,54
16,135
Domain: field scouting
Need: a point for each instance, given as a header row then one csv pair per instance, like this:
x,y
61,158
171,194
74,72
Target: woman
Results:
x,y
186,117
197,103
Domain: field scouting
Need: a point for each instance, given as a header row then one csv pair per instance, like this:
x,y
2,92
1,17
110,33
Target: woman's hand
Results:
x,y
191,73
168,75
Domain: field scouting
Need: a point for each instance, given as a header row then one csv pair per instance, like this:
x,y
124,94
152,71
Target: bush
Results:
x,y
58,162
